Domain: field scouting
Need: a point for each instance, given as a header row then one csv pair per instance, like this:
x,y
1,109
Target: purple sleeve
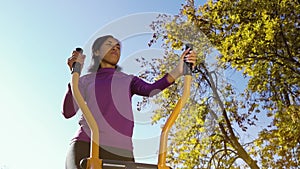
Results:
x,y
70,106
140,87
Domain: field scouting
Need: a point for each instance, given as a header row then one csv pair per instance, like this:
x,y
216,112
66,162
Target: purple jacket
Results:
x,y
108,95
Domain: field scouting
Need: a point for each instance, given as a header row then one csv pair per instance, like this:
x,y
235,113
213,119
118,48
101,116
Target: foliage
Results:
x,y
259,38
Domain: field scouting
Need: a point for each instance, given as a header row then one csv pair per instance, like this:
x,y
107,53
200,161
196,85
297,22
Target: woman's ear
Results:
x,y
97,53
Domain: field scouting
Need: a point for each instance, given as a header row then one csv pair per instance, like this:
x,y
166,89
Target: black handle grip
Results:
x,y
187,67
76,67
83,163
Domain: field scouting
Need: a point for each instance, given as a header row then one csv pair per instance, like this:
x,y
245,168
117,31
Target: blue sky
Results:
x,y
36,39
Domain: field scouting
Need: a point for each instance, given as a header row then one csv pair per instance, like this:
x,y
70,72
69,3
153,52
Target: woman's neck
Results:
x,y
107,65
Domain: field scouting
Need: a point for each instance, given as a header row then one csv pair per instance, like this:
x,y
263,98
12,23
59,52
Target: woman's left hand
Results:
x,y
189,56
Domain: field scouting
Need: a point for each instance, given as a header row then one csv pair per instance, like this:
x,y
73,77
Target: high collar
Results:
x,y
108,70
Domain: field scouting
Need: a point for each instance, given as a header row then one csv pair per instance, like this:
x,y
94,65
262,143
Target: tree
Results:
x,y
259,38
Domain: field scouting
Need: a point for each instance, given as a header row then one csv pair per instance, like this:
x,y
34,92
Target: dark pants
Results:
x,y
80,150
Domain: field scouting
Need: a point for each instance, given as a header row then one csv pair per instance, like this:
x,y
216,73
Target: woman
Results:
x,y
108,93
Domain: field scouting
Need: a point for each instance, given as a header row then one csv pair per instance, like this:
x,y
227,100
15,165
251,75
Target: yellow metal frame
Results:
x,y
171,120
94,162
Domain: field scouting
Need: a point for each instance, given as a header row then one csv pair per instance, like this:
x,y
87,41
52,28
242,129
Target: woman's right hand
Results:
x,y
76,57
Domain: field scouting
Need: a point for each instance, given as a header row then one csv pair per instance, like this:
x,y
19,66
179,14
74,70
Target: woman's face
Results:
x,y
110,52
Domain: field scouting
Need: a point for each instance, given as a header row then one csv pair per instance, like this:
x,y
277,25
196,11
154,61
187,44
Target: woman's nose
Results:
x,y
116,47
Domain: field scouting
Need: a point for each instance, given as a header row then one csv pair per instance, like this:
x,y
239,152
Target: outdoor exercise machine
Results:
x,y
94,162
